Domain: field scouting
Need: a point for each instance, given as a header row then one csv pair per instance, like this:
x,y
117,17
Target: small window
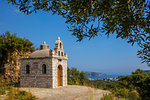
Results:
x,y
43,69
62,54
58,53
60,45
27,69
59,59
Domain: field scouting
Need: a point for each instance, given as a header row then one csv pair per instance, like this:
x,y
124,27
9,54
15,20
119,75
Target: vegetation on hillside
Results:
x,y
12,48
9,92
10,43
133,87
75,77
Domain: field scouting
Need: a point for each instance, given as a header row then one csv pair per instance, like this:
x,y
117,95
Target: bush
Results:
x,y
14,93
122,92
126,93
75,77
2,91
108,97
138,81
134,95
112,97
4,87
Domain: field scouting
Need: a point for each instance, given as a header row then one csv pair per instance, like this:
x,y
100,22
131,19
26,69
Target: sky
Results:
x,y
100,54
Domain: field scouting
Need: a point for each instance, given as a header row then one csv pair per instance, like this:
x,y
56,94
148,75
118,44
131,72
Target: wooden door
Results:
x,y
58,76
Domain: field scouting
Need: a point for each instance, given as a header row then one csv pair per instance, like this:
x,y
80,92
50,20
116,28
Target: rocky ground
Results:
x,y
70,92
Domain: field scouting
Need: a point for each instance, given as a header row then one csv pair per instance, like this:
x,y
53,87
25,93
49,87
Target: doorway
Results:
x,y
59,75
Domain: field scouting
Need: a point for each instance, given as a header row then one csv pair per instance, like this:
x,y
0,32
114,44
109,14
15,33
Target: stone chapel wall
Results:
x,y
55,64
36,78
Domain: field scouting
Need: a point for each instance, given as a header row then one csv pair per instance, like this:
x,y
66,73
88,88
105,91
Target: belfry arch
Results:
x,y
60,75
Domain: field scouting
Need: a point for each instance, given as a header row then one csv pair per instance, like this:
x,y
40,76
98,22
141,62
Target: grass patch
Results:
x,y
13,93
112,97
16,94
4,87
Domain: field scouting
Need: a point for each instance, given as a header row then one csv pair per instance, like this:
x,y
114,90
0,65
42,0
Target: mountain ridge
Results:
x,y
88,73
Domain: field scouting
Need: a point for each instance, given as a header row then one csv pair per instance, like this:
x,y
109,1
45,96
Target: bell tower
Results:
x,y
59,47
59,66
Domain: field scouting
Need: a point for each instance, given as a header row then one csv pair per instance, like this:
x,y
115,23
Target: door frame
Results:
x,y
60,75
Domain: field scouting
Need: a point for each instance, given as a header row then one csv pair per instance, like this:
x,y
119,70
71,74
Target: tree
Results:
x,y
83,78
137,81
68,75
75,77
128,19
10,43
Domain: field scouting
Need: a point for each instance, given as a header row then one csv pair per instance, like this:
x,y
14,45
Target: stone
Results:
x,y
12,67
45,68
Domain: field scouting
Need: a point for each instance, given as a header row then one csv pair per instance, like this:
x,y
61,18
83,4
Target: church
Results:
x,y
45,68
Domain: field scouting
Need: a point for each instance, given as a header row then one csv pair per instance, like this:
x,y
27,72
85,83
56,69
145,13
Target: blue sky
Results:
x,y
111,56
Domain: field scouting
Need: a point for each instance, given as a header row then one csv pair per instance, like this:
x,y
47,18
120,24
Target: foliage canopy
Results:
x,y
139,81
128,19
10,43
76,77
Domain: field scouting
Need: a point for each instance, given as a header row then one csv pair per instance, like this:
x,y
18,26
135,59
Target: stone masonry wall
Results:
x,y
12,67
36,78
55,63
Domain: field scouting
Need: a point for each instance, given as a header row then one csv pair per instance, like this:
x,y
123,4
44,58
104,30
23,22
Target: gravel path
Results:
x,y
70,92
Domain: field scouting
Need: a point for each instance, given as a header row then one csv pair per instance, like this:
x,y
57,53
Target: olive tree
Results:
x,y
128,19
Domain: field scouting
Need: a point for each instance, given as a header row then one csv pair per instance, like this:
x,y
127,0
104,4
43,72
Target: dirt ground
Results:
x,y
70,92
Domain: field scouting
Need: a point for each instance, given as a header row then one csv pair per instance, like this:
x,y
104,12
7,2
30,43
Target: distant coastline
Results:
x,y
146,71
103,76
95,75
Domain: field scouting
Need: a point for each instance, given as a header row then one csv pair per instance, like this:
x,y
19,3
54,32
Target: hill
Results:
x,y
146,71
93,74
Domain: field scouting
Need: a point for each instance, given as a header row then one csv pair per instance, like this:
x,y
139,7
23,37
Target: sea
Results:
x,y
104,76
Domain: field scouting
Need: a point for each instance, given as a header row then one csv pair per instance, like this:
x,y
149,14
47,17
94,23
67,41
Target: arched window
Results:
x,y
27,69
56,45
62,53
43,69
60,45
58,53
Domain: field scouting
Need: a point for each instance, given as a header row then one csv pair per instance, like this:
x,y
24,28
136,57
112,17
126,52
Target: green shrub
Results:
x,y
126,94
122,92
122,99
134,95
16,94
138,81
4,87
2,91
22,93
112,97
76,77
108,97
